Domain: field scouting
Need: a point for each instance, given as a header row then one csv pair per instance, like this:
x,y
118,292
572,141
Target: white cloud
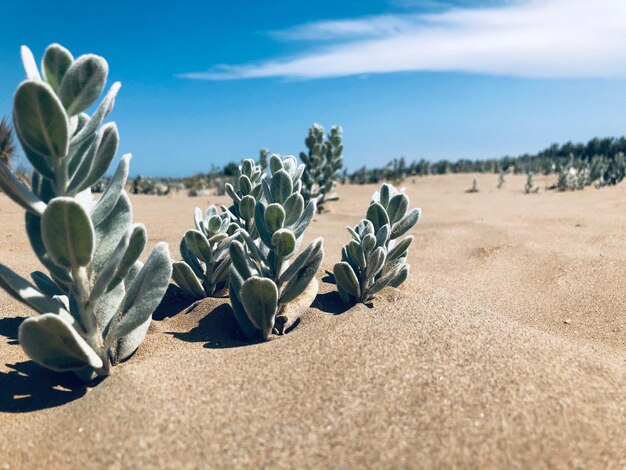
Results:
x,y
526,38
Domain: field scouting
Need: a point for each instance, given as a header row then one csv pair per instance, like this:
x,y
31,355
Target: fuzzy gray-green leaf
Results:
x,y
400,248
284,242
145,293
238,257
249,330
52,342
299,282
102,157
112,192
302,259
40,122
18,192
397,208
67,233
83,83
259,297
186,279
246,207
136,244
274,218
56,62
294,205
405,224
22,290
199,245
346,279
261,225
103,110
377,214
375,262
281,186
305,219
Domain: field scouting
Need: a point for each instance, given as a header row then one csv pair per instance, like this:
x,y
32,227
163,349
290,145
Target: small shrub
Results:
x,y
374,259
263,281
474,188
323,164
205,267
96,305
529,187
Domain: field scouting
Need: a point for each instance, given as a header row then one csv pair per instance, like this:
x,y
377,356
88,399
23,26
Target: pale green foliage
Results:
x,y
96,303
262,279
375,258
249,191
323,164
204,270
529,187
501,180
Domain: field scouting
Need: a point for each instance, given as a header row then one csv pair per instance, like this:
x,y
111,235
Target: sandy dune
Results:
x,y
505,348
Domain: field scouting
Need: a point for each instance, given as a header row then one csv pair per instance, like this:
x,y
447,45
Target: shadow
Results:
x,y
218,329
331,303
9,327
174,301
30,387
329,278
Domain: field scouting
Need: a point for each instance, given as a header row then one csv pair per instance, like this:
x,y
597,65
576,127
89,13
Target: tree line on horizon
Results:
x,y
602,158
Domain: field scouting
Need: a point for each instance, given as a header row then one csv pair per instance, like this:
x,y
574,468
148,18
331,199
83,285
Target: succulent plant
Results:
x,y
501,181
249,191
474,188
529,187
374,259
96,303
264,156
263,281
204,271
323,164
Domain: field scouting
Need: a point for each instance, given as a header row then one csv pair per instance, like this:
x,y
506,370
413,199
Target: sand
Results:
x,y
505,348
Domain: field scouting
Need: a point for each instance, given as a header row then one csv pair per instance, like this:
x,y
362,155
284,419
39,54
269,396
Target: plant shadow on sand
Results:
x,y
30,387
218,329
9,327
174,301
330,302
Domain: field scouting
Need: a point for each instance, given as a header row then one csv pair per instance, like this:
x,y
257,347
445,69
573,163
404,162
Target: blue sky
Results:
x,y
211,82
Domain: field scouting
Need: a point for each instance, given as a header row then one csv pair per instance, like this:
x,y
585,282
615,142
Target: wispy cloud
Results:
x,y
526,38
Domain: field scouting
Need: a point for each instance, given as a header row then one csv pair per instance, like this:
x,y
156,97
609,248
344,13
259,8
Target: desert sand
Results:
x,y
506,347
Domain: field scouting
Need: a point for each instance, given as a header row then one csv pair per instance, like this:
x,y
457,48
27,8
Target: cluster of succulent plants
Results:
x,y
96,302
264,280
151,186
322,165
205,268
375,258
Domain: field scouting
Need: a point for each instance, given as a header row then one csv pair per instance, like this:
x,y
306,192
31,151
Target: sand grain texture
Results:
x,y
469,364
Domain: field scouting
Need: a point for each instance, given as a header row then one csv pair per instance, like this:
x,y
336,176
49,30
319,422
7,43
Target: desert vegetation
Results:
x,y
96,303
375,258
256,265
